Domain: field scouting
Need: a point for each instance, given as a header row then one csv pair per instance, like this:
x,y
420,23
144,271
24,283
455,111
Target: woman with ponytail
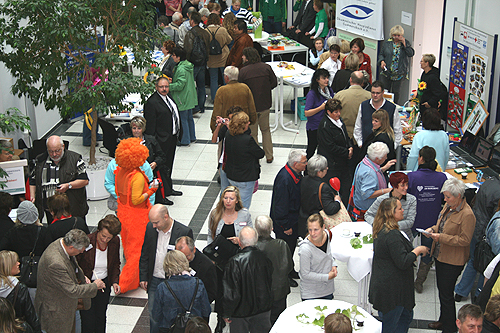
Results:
x,y
425,184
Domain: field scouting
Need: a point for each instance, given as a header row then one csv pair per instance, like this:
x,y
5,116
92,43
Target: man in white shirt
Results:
x,y
161,233
363,126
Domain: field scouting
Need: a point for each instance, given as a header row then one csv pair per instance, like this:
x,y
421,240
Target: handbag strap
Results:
x,y
489,223
32,253
177,299
319,194
74,224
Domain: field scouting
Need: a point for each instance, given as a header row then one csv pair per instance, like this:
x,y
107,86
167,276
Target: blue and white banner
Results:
x,y
361,17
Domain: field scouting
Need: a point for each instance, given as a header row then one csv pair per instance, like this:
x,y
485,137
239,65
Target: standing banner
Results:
x,y
361,17
471,73
14,181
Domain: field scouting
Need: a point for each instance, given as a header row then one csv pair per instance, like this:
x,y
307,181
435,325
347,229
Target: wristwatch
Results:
x,y
70,186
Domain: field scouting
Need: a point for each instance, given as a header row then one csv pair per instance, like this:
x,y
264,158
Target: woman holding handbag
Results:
x,y
226,220
15,291
315,194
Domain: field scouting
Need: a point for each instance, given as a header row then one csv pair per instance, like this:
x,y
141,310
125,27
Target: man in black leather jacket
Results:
x,y
247,287
279,253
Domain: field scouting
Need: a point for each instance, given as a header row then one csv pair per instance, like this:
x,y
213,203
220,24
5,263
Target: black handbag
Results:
x,y
181,320
29,266
220,251
483,254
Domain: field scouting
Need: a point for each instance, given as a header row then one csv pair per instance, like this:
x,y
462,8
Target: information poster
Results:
x,y
15,176
361,17
456,102
478,70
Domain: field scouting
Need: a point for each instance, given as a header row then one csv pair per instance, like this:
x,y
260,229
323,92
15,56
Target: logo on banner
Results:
x,y
356,12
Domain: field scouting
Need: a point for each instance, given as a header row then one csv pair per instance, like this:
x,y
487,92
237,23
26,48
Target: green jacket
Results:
x,y
276,8
182,88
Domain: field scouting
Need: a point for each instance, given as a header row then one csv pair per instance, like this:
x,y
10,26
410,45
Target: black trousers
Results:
x,y
312,142
168,148
446,277
94,319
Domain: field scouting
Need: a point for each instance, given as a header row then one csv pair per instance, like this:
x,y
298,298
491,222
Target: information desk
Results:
x,y
283,47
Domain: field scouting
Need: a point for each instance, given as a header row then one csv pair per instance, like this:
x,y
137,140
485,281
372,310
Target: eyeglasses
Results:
x,y
58,151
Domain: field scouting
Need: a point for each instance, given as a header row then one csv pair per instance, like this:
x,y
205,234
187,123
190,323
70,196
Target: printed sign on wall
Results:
x,y
361,17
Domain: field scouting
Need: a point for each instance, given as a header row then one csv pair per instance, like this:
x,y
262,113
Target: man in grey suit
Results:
x,y
161,233
61,283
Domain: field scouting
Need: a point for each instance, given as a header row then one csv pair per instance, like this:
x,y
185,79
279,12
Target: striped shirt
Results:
x,y
241,14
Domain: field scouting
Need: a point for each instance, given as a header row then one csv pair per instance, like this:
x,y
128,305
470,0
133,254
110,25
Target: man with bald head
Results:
x,y
161,233
247,286
59,171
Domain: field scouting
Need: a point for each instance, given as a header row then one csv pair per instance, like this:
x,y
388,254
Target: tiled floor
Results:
x,y
194,174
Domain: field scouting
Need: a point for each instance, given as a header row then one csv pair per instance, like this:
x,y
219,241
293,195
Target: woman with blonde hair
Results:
x,y
227,219
342,78
242,155
382,132
179,285
228,23
394,61
15,291
391,286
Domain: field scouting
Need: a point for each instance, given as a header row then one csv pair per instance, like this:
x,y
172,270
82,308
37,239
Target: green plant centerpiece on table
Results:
x,y
69,55
357,243
319,318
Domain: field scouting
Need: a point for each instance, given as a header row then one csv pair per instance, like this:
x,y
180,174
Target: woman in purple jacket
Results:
x,y
425,184
316,99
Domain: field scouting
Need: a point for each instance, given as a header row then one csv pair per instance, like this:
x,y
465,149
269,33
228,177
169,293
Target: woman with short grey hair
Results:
x,y
369,180
184,286
451,237
315,194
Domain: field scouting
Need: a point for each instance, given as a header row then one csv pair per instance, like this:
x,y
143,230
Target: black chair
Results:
x,y
109,137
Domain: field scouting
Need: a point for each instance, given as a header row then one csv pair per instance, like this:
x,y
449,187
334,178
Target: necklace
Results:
x,y
100,248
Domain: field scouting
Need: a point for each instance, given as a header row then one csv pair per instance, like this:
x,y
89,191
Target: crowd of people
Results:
x,y
352,136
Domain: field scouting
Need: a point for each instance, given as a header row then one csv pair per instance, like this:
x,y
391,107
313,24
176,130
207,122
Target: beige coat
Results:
x,y
58,290
223,37
456,236
351,99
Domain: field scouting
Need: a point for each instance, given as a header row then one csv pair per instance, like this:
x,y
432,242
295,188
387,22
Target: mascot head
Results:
x,y
130,154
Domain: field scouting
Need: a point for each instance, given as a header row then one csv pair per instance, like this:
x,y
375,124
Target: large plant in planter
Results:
x,y
47,47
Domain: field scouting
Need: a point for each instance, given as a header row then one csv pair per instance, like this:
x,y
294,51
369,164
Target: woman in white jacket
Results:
x,y
317,265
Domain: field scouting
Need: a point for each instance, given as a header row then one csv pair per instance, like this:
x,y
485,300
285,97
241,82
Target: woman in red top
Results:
x,y
357,47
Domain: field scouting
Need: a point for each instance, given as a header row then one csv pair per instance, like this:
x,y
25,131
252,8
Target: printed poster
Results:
x,y
458,69
15,176
477,78
476,39
456,102
361,17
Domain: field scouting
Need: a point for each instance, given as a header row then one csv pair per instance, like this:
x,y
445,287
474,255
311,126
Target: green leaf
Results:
x,y
368,239
356,243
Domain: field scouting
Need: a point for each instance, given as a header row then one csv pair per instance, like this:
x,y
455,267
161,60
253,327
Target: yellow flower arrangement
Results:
x,y
422,85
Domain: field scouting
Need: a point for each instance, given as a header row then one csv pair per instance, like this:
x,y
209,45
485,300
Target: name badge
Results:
x,y
243,223
192,272
89,247
171,247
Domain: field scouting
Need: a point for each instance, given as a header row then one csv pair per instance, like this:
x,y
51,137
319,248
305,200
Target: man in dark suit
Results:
x,y
163,122
161,233
303,22
200,264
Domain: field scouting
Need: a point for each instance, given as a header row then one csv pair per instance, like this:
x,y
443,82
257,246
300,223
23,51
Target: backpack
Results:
x,y
199,54
214,46
180,322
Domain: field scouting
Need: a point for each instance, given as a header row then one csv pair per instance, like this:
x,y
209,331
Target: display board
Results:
x,y
361,17
471,72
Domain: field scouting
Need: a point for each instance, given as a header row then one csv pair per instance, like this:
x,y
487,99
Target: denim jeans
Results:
x,y
272,26
224,182
246,191
153,325
397,320
464,287
199,77
214,80
188,132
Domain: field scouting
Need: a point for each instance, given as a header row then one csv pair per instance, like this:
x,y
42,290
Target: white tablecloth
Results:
x,y
359,261
287,321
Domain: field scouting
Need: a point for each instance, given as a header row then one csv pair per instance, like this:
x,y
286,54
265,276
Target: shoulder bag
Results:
x,y
333,220
483,254
29,265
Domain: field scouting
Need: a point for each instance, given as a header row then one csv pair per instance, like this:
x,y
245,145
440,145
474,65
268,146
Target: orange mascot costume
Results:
x,y
133,194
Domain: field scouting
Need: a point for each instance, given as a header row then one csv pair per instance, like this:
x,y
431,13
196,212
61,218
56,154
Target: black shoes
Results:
x,y
176,193
166,202
458,298
437,325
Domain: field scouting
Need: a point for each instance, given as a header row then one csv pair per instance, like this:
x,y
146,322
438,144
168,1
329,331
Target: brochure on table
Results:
x,y
471,73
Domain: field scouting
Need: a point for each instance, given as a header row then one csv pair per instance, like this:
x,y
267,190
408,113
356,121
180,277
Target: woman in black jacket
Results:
x,y
391,285
309,193
15,291
242,155
431,95
334,144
